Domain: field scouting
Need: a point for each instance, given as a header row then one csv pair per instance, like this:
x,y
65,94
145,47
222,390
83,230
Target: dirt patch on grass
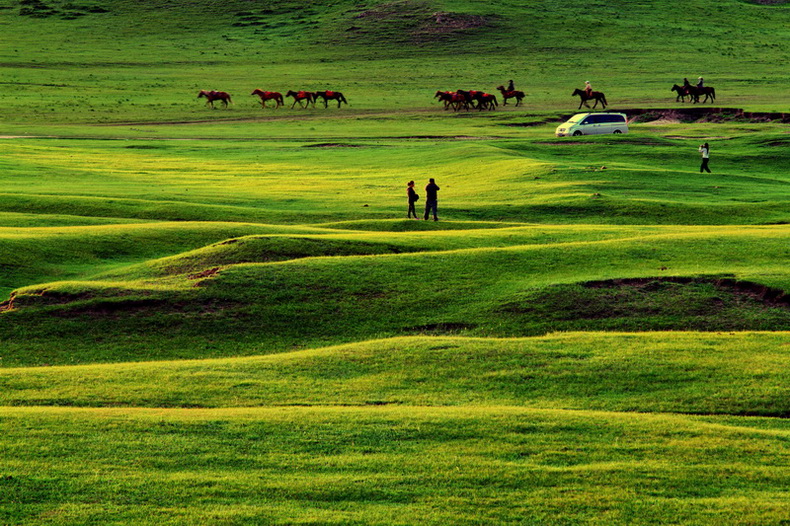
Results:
x,y
710,303
208,273
447,22
768,295
442,328
702,114
332,145
413,21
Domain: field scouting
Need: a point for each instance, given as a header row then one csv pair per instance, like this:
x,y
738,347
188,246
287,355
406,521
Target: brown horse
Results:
x,y
212,95
453,100
304,98
510,94
269,95
597,95
330,95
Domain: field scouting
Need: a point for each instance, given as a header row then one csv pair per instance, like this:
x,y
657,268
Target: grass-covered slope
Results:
x,y
125,61
410,431
223,316
390,466
694,373
262,294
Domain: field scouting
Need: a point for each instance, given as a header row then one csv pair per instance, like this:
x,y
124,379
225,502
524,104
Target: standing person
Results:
x,y
413,197
510,86
705,151
431,200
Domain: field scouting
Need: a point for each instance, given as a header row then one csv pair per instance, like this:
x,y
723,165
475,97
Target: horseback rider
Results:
x,y
510,86
588,88
686,84
700,83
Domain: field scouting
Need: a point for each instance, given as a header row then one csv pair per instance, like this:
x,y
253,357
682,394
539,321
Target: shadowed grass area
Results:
x,y
686,372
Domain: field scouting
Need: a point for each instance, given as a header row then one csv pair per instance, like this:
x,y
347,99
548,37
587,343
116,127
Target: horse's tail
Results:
x,y
713,93
603,98
343,98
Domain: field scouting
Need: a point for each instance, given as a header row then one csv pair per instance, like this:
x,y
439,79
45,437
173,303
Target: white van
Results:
x,y
593,123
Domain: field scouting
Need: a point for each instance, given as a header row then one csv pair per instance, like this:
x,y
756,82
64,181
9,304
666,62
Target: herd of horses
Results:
x,y
457,100
304,98
481,100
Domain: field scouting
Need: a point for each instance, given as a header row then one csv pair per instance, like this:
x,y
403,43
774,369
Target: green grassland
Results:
x,y
223,316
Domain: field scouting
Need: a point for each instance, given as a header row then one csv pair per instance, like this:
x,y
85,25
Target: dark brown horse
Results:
x,y
486,101
510,94
212,95
710,93
682,91
444,97
330,95
304,98
269,95
596,95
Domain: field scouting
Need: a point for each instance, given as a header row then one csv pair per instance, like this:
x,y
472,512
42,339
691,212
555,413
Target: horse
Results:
x,y
510,94
597,95
470,96
444,96
330,95
709,92
212,95
682,92
452,99
486,101
269,95
300,97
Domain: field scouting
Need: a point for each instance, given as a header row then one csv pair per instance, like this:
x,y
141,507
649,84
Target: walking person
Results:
x,y
431,200
413,197
705,151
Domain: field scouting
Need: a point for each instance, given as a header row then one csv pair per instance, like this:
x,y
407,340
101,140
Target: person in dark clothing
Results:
x,y
413,197
510,86
431,201
705,151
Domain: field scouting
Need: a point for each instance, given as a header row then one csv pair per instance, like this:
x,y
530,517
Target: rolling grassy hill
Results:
x,y
223,316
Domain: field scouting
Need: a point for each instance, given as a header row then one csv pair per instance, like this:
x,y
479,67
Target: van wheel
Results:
x,y
577,133
617,132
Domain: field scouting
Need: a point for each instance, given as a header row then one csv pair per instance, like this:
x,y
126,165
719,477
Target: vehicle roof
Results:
x,y
599,113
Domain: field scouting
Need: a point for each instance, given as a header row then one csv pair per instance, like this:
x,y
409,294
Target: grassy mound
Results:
x,y
697,373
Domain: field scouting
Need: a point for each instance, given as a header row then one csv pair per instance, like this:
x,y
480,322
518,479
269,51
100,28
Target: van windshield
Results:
x,y
575,119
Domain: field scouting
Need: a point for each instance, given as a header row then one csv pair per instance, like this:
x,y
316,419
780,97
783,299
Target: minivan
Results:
x,y
593,123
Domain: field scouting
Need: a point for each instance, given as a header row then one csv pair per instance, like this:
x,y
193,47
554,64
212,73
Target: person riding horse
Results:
x,y
588,88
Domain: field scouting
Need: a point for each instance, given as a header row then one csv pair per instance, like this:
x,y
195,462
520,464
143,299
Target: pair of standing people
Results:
x,y
431,200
